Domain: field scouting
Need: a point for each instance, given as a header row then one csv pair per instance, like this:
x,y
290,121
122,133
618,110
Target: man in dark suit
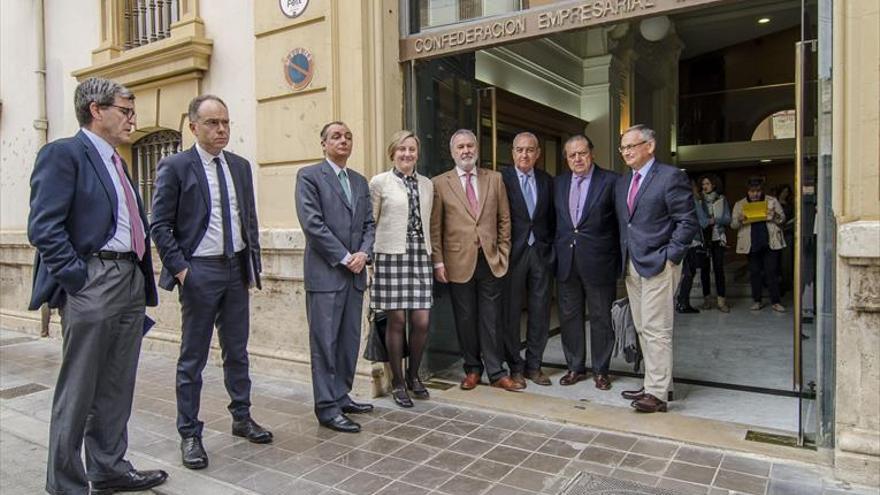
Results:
x,y
655,210
588,252
205,227
336,216
93,262
532,221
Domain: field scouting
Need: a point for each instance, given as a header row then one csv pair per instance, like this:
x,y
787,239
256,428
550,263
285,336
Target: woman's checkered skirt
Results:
x,y
403,281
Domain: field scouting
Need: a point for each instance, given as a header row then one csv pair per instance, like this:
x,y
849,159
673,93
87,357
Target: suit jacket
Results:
x,y
456,235
663,222
542,224
595,240
332,227
73,215
182,208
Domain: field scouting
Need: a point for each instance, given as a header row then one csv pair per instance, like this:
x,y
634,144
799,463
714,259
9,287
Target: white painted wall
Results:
x,y
71,34
232,72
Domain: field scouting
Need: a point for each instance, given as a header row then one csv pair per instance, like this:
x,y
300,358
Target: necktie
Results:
x,y
574,200
530,203
225,212
471,194
346,187
633,191
138,244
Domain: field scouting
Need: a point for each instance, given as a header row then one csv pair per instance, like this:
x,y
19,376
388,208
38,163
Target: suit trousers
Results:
x,y
102,327
476,308
529,279
575,295
651,303
215,292
334,339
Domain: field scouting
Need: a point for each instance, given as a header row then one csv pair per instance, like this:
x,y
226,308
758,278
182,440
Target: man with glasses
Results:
x,y
206,231
655,210
588,266
93,262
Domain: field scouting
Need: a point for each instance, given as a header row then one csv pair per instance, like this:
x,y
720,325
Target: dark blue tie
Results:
x,y
228,249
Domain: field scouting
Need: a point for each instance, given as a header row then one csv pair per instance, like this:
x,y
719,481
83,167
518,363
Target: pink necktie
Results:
x,y
633,190
471,194
134,216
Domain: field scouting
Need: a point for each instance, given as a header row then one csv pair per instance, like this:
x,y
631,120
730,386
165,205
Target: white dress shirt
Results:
x,y
462,176
121,240
643,172
212,243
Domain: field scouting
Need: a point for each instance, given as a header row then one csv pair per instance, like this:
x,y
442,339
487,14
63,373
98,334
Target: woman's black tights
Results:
x,y
394,340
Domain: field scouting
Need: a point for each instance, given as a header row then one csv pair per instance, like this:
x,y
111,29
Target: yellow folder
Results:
x,y
755,211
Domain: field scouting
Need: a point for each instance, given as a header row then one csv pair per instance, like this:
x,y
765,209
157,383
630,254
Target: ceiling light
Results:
x,y
763,20
766,160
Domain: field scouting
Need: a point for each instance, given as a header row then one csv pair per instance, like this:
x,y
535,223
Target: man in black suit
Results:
x,y
205,227
532,218
588,254
93,262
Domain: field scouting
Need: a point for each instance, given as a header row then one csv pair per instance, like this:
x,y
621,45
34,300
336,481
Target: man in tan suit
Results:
x,y
470,238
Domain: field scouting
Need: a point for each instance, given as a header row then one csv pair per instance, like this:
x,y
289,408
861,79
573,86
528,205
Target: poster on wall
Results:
x,y
293,8
299,68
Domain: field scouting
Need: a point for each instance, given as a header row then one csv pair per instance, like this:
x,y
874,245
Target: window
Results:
x,y
146,153
146,21
779,125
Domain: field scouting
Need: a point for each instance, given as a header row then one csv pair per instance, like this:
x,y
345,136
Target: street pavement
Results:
x,y
436,447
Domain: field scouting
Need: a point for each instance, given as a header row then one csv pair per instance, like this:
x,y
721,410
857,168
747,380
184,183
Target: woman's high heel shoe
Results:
x,y
418,388
401,398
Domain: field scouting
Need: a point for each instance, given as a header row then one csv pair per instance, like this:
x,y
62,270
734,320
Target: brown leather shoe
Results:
x,y
633,394
570,378
519,379
470,381
507,383
649,404
538,376
602,381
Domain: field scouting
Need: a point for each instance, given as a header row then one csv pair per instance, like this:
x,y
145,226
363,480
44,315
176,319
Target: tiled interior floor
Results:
x,y
433,448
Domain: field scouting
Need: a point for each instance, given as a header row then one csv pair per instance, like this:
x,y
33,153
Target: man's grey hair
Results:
x,y
98,90
646,132
192,112
462,132
526,135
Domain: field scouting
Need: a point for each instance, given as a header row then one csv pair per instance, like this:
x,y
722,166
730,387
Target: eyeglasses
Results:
x,y
624,149
128,112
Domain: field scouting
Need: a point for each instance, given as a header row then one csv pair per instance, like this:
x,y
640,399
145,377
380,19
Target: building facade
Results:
x,y
562,67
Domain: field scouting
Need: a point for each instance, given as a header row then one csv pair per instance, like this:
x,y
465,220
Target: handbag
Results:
x,y
376,349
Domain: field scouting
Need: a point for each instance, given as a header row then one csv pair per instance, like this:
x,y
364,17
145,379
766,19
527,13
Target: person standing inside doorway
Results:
x,y
588,250
715,240
333,207
93,262
205,226
694,258
532,219
470,238
655,210
760,238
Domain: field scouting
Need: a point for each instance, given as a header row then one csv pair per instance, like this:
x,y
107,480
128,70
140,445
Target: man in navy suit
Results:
x,y
655,210
93,262
336,215
588,253
206,231
532,220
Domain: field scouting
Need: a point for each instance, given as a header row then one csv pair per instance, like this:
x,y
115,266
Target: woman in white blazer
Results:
x,y
403,274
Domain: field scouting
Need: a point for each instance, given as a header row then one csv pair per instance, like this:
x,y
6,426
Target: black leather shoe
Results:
x,y
401,398
341,423
192,453
417,388
248,428
686,309
633,394
356,408
132,481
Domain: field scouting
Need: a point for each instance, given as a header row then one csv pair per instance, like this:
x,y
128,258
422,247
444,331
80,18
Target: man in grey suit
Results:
x,y
336,216
655,211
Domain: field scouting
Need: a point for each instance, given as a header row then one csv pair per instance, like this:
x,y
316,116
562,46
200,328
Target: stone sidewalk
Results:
x,y
434,448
